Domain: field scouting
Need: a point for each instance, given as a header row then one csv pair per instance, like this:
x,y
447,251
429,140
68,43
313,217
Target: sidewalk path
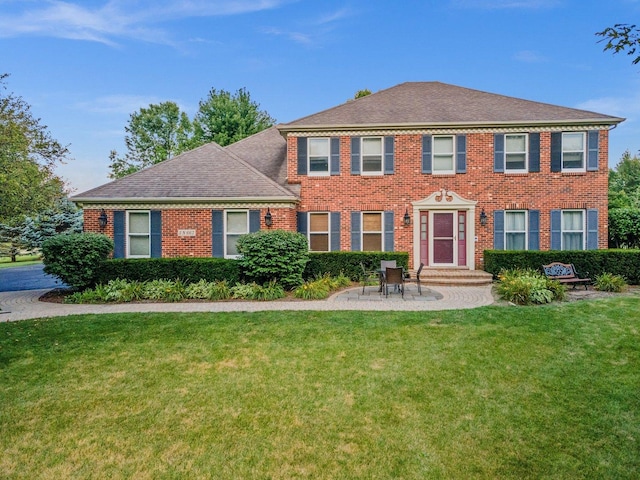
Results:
x,y
26,305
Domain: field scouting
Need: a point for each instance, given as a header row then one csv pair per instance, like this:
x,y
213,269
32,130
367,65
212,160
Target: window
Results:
x,y
372,232
572,230
515,153
443,148
372,155
318,156
236,225
573,151
515,230
138,235
319,232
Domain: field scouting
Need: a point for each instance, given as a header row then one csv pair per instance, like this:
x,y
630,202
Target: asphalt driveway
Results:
x,y
31,277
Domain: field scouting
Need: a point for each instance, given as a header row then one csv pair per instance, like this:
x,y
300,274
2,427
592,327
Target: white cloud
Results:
x,y
529,56
623,106
500,4
118,104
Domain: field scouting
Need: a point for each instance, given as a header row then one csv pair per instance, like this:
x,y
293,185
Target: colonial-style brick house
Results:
x,y
439,171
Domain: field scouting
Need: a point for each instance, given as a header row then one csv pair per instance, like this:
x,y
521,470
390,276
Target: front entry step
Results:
x,y
453,277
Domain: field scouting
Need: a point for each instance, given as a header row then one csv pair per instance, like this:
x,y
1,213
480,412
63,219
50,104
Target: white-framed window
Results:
x,y
573,151
236,224
515,152
318,153
319,228
573,228
372,232
372,155
443,154
138,234
515,230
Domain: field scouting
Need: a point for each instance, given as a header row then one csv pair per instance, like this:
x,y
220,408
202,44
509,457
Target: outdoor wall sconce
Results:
x,y
483,218
268,219
406,218
103,219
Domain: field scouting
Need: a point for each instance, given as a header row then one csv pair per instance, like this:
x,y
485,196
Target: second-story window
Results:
x,y
515,153
443,154
318,156
372,155
573,147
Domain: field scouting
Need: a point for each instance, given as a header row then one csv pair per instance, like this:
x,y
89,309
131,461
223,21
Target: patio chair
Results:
x,y
395,277
417,279
368,276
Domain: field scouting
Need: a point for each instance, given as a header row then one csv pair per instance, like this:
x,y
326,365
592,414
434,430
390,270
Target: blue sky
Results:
x,y
85,66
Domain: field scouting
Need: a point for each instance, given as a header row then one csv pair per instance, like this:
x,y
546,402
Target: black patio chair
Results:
x,y
417,279
395,277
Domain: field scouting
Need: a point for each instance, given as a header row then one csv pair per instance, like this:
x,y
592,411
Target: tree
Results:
x,y
28,156
154,134
624,203
621,37
225,118
64,218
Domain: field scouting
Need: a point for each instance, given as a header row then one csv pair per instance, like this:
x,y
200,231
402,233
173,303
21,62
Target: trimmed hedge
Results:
x,y
348,263
189,270
592,262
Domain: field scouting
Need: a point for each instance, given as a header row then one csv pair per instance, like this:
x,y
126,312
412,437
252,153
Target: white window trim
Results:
x,y
584,153
526,227
363,231
376,173
526,153
328,232
129,234
453,156
317,173
583,230
226,232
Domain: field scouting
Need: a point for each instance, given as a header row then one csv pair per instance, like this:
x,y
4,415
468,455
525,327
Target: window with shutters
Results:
x,y
371,157
318,153
443,155
515,153
236,224
138,234
372,232
573,151
319,231
515,230
573,230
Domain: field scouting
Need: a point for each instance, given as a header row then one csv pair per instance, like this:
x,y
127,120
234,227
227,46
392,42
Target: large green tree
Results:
x,y
28,157
154,134
624,203
622,37
225,118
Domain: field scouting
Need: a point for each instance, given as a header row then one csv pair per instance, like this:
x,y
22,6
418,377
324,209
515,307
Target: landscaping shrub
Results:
x,y
606,282
348,263
527,286
274,255
253,291
204,290
321,287
76,258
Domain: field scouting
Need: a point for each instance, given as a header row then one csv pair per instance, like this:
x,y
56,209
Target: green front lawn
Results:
x,y
496,392
21,261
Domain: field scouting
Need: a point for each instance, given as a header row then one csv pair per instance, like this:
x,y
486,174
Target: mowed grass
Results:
x,y
497,392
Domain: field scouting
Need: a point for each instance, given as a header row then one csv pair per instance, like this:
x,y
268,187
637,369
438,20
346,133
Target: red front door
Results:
x,y
443,238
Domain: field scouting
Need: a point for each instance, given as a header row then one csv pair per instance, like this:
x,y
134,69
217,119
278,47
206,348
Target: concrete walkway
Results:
x,y
26,304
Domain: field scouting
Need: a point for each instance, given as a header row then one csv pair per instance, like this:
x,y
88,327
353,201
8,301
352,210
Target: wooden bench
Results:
x,y
565,273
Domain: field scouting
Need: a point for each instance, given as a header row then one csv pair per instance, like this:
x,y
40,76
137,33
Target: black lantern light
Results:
x,y
483,218
103,219
406,218
268,219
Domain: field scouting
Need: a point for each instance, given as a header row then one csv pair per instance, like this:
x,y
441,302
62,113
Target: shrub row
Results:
x,y
348,263
625,263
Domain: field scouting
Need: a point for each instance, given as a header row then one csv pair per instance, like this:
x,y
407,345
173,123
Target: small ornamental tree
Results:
x,y
274,255
76,258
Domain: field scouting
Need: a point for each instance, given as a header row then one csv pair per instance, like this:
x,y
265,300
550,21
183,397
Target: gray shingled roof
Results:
x,y
209,172
435,103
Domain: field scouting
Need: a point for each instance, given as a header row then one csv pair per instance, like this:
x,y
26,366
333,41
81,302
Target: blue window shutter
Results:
x,y
534,229
592,229
556,151
355,155
217,233
388,232
334,241
302,155
556,230
592,150
335,156
426,154
534,152
156,233
498,230
356,245
461,154
254,221
498,152
302,223
389,155
118,234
